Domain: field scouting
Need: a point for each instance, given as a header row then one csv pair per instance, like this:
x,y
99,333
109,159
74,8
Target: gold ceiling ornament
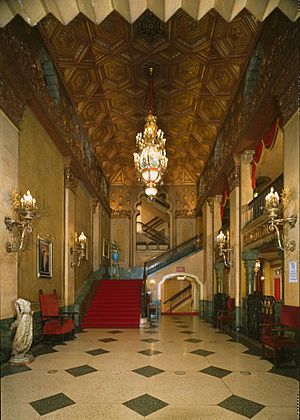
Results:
x,y
151,160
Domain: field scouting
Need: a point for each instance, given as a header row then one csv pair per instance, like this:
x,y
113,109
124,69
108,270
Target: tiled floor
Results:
x,y
180,369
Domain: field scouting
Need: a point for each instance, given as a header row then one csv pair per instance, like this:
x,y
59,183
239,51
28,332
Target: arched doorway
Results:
x,y
180,293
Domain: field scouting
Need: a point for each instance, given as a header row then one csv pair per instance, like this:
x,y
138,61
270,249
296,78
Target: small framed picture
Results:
x,y
105,251
44,257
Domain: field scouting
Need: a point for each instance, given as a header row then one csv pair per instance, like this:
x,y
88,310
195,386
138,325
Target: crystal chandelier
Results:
x,y
151,160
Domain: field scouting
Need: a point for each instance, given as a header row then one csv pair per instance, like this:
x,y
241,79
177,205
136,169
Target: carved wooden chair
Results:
x,y
54,322
283,338
226,317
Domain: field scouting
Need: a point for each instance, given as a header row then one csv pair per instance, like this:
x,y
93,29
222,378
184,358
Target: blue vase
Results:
x,y
115,254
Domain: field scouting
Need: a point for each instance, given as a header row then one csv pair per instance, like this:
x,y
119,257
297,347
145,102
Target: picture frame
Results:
x,y
44,257
105,250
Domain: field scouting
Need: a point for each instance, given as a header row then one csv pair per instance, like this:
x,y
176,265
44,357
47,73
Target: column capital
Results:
x,y
71,180
250,255
247,156
210,202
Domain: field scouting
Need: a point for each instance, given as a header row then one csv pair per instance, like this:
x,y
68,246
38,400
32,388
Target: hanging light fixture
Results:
x,y
151,160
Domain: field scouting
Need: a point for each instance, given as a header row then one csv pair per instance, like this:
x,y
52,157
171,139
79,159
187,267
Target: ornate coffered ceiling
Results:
x,y
197,68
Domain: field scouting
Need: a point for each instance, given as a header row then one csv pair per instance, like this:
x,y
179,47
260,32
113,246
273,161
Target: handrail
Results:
x,y
255,207
159,237
179,303
173,255
178,293
161,261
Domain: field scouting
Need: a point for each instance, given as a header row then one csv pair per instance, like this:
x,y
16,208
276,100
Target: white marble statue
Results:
x,y
23,336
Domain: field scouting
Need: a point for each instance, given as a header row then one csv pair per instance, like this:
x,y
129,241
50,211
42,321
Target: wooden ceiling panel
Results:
x,y
197,67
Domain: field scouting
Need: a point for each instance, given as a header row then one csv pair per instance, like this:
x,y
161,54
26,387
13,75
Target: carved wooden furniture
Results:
x,y
226,317
54,322
283,337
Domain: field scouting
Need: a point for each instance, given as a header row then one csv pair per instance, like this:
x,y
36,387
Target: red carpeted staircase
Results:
x,y
116,304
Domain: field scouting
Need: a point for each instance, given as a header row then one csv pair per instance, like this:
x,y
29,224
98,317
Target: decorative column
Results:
x,y
208,272
219,268
235,230
249,258
96,234
291,133
69,272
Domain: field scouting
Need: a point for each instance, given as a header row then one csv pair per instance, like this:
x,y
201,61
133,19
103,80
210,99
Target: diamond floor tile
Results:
x,y
115,332
12,370
193,340
81,370
201,352
151,332
241,406
148,371
150,340
97,352
145,404
107,340
187,332
149,352
50,404
215,371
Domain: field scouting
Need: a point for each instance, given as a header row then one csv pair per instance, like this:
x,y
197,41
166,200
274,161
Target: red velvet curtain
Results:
x,y
266,142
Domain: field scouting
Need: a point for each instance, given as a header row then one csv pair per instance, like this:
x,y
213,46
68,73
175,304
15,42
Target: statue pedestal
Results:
x,y
21,359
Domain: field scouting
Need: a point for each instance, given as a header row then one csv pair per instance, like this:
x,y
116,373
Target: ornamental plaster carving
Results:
x,y
12,104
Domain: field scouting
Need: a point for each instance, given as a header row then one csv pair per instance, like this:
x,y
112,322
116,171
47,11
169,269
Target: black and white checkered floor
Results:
x,y
181,369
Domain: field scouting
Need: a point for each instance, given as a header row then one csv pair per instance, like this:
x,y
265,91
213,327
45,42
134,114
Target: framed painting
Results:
x,y
105,251
44,257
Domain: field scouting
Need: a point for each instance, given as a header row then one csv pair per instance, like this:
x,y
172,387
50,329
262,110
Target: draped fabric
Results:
x,y
267,142
225,197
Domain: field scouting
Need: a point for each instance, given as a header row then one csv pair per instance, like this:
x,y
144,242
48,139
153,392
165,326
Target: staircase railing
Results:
x,y
155,235
174,254
169,257
173,300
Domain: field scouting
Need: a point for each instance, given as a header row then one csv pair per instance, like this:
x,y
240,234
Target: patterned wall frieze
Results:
x,y
277,76
257,235
121,213
11,103
58,118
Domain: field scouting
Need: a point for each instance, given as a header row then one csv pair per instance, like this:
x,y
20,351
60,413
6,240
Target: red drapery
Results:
x,y
225,197
266,142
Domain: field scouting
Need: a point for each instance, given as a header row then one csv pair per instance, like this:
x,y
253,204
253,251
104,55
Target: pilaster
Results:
x,y
249,258
291,180
219,269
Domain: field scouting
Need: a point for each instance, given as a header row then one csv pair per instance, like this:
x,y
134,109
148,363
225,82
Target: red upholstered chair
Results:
x,y
226,316
54,322
283,337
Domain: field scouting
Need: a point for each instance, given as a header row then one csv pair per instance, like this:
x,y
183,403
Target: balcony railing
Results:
x,y
255,208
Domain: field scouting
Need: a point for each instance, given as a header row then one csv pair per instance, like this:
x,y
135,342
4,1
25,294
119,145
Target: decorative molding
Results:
x,y
279,60
234,175
257,235
58,119
11,103
190,213
210,202
71,180
247,156
121,213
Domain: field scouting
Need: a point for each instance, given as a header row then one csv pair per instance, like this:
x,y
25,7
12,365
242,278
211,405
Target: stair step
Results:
x,y
116,304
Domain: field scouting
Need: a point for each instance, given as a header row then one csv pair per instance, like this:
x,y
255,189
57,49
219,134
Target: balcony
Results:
x,y
254,221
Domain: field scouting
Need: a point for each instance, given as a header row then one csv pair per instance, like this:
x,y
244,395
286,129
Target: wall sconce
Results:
x,y
79,250
273,208
224,248
25,210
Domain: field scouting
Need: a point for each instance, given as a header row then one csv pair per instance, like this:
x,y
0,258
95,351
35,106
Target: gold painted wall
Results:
x,y
83,223
41,170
